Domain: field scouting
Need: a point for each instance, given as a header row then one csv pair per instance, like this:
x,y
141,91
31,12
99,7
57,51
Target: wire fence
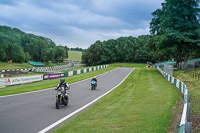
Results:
x,y
190,65
168,69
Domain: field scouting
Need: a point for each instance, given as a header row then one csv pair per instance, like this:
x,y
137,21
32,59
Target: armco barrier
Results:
x,y
71,73
185,124
40,69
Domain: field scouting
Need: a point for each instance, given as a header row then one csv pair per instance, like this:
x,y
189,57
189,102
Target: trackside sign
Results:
x,y
22,80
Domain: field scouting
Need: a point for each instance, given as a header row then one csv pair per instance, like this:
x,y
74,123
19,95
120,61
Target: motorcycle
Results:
x,y
93,85
61,99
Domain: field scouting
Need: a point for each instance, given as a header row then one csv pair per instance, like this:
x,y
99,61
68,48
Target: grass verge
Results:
x,y
49,83
194,89
145,102
128,65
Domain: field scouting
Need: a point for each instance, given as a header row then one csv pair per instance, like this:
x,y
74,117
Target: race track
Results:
x,y
31,113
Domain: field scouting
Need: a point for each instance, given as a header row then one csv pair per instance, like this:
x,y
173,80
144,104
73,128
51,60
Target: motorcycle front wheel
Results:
x,y
67,100
57,103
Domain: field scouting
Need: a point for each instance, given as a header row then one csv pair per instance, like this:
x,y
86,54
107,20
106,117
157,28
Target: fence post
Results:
x,y
193,75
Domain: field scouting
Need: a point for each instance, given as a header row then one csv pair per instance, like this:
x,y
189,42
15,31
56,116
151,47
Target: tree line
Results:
x,y
18,46
77,49
175,35
123,49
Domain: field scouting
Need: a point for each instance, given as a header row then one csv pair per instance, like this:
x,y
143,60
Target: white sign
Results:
x,y
2,83
22,80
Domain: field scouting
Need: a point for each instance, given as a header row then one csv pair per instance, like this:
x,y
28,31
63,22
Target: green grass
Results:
x,y
128,65
5,65
194,88
145,102
49,83
55,64
74,55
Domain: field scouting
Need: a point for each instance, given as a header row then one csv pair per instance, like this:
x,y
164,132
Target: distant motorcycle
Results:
x,y
93,85
61,99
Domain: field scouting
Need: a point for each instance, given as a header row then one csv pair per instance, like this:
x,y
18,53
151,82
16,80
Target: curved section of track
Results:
x,y
33,112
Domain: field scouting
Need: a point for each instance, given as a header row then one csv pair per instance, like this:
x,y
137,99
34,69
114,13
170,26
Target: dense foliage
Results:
x,y
18,46
176,30
76,49
123,49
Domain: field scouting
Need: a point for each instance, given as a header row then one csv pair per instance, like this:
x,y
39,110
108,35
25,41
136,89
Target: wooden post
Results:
x,y
193,75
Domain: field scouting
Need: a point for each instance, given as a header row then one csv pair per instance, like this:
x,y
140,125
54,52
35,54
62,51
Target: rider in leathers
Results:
x,y
64,85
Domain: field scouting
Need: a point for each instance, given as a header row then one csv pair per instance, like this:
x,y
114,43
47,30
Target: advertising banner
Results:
x,y
22,80
53,76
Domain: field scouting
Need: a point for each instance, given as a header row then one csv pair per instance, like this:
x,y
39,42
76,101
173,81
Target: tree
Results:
x,y
178,27
18,46
60,53
123,49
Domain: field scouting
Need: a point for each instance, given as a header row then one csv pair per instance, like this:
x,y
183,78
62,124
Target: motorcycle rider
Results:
x,y
94,79
64,85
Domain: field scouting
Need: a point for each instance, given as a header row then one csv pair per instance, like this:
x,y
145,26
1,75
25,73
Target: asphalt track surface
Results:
x,y
32,112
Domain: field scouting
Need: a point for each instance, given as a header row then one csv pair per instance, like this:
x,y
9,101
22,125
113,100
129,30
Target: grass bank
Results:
x,y
50,64
145,102
74,55
5,65
194,89
49,83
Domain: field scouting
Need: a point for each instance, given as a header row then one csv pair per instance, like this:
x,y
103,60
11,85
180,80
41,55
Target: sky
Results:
x,y
79,23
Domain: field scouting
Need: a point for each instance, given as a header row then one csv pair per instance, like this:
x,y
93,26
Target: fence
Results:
x,y
196,75
27,79
40,69
80,71
185,124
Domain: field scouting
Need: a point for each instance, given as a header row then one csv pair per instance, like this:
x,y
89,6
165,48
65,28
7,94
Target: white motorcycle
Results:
x,y
61,99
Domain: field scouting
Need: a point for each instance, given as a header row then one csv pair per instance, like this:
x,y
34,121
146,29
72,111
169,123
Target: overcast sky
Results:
x,y
79,23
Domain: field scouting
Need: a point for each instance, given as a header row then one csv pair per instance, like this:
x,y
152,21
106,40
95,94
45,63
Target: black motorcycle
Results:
x,y
61,99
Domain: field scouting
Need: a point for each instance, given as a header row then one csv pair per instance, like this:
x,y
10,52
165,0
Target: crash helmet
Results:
x,y
62,80
94,77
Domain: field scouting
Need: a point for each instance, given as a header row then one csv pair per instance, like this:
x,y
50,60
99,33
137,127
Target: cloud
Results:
x,y
79,23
